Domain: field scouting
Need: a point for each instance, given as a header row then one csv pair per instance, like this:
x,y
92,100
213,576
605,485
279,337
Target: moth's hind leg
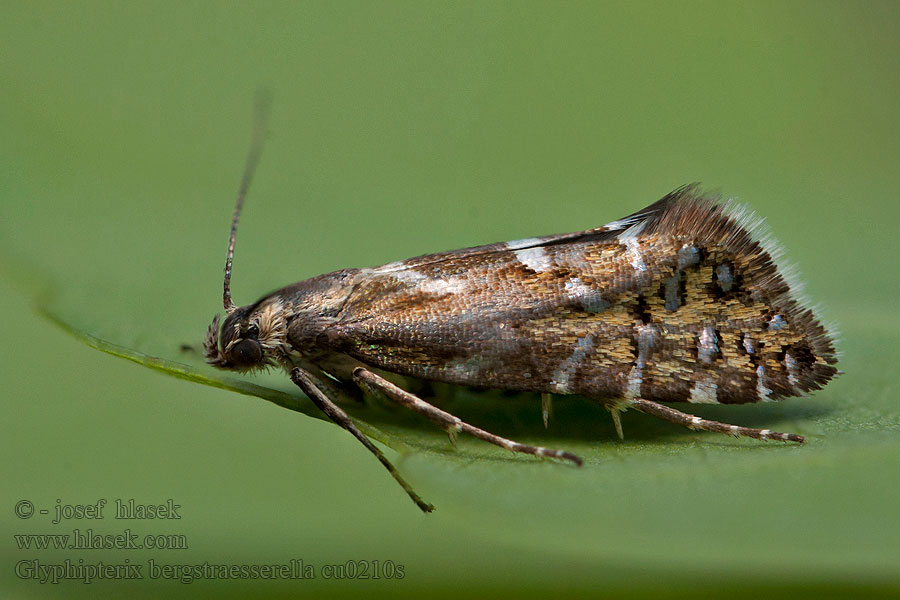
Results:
x,y
450,422
692,422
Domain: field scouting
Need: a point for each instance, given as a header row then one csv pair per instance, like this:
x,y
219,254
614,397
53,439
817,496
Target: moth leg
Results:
x,y
615,412
307,383
692,422
450,422
546,407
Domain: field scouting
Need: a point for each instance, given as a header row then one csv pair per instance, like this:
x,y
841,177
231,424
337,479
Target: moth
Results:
x,y
680,302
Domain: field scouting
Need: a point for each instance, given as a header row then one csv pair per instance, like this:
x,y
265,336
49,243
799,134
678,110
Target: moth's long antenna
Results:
x,y
260,119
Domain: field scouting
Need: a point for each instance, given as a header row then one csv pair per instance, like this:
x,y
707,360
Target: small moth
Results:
x,y
678,302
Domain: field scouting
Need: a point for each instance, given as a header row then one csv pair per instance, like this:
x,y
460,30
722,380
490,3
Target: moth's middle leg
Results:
x,y
450,422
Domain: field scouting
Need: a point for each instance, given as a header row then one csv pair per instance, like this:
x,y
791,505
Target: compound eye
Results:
x,y
246,353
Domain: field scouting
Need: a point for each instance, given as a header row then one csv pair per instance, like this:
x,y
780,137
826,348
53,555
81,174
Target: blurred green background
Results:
x,y
400,128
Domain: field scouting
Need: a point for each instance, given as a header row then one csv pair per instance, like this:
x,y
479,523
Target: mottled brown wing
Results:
x,y
605,232
677,302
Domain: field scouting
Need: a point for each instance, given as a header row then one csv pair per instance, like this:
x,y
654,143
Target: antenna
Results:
x,y
262,105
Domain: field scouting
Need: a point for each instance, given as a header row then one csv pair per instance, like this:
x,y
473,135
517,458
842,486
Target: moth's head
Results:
x,y
250,338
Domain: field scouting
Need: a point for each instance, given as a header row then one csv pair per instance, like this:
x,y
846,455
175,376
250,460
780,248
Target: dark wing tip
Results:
x,y
704,219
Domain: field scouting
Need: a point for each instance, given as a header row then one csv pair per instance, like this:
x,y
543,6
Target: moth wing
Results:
x,y
685,277
414,315
604,232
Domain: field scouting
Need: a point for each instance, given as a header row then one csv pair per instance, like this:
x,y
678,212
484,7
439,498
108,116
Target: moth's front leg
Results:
x,y
307,382
451,423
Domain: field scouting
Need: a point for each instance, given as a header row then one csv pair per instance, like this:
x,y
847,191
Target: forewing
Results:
x,y
675,302
597,234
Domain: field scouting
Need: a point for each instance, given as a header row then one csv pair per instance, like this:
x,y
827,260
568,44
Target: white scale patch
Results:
x,y
535,259
426,284
634,252
590,299
705,392
793,369
622,223
777,323
389,268
561,377
443,286
524,243
748,344
635,379
708,345
761,390
647,337
410,276
576,287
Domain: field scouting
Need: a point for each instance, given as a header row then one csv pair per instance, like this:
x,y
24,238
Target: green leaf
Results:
x,y
405,128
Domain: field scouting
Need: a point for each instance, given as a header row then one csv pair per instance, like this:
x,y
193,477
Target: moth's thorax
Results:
x,y
314,305
282,326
